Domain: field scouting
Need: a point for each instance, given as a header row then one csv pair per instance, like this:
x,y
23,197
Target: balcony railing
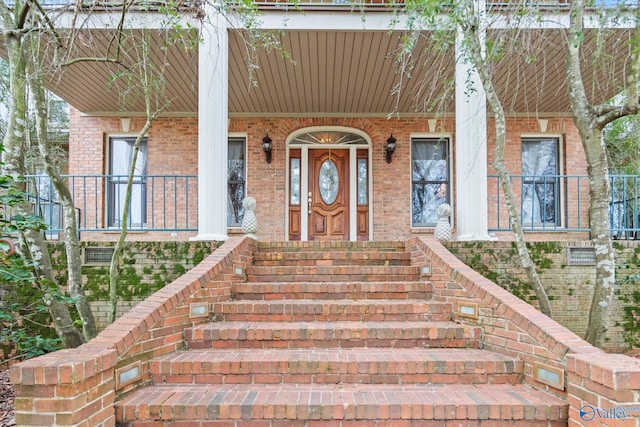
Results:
x,y
168,203
561,203
164,203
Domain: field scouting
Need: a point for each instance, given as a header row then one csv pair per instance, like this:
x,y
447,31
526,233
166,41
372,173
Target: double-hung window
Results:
x,y
540,182
236,181
430,179
121,150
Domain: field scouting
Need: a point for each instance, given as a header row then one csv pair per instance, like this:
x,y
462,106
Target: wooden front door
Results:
x,y
328,198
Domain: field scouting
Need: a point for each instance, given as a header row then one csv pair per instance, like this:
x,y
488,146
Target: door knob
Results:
x,y
309,200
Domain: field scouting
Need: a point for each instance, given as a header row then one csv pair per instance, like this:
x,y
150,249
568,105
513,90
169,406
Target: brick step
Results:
x,y
331,290
299,405
336,366
332,335
331,258
312,246
332,310
332,273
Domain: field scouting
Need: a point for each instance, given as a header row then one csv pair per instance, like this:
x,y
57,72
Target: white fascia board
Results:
x,y
269,20
101,20
555,20
329,20
324,20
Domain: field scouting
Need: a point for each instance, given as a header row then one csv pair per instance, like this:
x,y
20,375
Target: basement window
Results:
x,y
95,255
581,256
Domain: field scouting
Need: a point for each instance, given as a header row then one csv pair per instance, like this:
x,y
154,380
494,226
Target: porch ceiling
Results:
x,y
344,73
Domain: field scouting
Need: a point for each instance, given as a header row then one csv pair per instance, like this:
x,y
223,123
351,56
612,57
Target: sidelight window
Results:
x,y
236,181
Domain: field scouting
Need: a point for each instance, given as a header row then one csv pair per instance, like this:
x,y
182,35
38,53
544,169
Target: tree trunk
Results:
x,y
114,267
599,191
474,42
34,248
590,130
71,244
117,251
32,245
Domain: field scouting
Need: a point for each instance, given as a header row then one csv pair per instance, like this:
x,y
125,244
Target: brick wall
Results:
x,y
590,377
77,387
173,146
146,267
569,287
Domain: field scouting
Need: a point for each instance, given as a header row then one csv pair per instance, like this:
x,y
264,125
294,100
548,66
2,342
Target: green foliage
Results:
x,y
146,267
631,311
26,330
622,139
539,251
484,261
628,283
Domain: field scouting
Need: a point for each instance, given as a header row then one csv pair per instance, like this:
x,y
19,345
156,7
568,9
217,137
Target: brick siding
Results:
x,y
173,146
77,387
569,287
513,327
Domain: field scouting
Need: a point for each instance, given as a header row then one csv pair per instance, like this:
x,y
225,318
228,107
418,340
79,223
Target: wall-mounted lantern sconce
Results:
x,y
266,147
391,147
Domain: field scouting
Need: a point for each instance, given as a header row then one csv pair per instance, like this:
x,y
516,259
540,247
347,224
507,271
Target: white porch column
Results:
x,y
471,151
213,66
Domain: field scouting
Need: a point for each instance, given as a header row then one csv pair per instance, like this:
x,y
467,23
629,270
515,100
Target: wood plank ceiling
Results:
x,y
339,73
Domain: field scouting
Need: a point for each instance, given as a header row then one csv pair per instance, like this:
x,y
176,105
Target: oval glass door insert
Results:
x,y
328,181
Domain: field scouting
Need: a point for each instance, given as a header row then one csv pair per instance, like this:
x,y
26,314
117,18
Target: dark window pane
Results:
x,y
539,192
120,160
295,181
362,182
236,177
430,179
235,212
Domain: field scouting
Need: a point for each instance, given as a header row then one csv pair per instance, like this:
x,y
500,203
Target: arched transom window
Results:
x,y
329,137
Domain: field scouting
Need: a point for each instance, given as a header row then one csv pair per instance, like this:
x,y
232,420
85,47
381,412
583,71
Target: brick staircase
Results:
x,y
336,334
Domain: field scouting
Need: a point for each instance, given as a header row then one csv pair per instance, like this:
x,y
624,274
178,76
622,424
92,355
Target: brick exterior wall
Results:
x,y
145,267
513,327
173,144
569,287
78,387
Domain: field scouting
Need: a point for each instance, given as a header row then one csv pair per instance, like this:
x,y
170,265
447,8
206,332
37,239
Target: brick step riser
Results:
x,y
346,423
334,258
246,331
333,270
336,343
301,317
332,247
280,296
363,290
329,378
332,310
390,405
279,277
293,262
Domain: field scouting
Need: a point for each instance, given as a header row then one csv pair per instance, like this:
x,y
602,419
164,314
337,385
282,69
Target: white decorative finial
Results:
x,y
443,228
249,221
